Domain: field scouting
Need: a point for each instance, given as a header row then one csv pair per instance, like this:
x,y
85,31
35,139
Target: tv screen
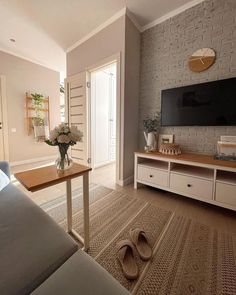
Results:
x,y
206,104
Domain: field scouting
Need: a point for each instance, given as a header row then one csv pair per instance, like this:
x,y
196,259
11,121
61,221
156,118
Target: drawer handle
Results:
x,y
151,175
189,185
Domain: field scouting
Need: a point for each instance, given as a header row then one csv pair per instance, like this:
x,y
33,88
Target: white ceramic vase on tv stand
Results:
x,y
151,140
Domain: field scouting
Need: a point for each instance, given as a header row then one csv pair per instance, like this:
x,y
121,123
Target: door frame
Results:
x,y
3,94
102,63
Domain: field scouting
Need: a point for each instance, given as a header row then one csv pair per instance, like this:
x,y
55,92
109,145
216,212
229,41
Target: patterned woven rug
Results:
x,y
189,257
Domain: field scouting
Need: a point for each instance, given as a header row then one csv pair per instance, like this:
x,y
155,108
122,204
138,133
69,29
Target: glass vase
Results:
x,y
64,161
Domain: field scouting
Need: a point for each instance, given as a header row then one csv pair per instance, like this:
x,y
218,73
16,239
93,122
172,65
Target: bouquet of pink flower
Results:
x,y
64,136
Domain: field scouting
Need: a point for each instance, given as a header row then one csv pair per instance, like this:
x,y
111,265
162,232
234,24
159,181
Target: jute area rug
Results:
x,y
189,257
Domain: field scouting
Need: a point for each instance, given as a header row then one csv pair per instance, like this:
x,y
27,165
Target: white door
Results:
x,y
112,115
103,115
2,156
100,118
76,91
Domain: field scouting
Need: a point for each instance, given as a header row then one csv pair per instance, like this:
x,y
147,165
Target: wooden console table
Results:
x,y
196,176
40,178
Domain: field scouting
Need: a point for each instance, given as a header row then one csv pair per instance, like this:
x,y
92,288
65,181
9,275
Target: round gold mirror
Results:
x,y
202,59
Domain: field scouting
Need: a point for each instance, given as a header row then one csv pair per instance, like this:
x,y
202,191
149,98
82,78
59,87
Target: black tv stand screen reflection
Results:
x,y
205,104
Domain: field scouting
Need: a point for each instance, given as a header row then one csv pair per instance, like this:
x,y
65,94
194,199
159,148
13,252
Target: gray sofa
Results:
x,y
37,256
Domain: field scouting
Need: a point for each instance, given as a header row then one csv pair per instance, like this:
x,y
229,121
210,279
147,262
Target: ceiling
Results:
x,y
45,29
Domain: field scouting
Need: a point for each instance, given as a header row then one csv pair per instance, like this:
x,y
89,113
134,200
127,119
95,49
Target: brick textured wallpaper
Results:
x,y
165,50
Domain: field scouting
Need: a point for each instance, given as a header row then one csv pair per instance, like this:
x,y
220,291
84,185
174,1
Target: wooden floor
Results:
x,y
219,218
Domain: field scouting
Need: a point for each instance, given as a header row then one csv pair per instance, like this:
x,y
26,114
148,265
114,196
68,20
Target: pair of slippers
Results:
x,y
125,252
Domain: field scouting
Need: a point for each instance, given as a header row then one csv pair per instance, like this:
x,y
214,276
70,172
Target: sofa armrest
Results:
x,y
4,166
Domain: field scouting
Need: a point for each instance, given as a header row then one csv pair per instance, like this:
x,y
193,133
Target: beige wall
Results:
x,y
23,76
108,42
131,109
119,37
105,43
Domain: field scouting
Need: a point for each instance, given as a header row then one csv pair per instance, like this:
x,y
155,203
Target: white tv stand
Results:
x,y
196,176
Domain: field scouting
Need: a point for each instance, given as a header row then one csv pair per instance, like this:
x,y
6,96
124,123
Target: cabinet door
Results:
x,y
226,193
152,176
190,185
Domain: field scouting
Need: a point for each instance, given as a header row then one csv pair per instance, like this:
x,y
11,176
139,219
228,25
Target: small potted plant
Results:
x,y
64,136
41,130
151,128
37,101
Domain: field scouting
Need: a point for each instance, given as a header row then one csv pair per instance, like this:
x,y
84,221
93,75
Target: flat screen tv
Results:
x,y
206,104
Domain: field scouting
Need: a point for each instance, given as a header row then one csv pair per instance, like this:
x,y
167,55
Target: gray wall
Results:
x,y
165,49
23,76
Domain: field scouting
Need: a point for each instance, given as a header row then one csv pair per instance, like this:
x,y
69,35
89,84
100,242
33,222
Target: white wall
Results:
x,y
23,76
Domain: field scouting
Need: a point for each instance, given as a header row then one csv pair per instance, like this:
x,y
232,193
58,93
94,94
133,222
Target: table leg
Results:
x,y
85,240
69,205
86,209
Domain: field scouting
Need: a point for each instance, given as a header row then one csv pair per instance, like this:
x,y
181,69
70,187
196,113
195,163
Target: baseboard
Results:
x,y
29,161
126,181
104,164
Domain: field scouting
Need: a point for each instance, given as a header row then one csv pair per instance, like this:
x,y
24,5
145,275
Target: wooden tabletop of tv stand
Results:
x,y
189,157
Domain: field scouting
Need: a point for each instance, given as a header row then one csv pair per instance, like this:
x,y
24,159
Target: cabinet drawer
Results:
x,y
191,185
226,193
153,176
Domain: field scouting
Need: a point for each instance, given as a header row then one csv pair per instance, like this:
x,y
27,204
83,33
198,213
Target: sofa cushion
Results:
x,y
32,245
80,274
4,166
4,180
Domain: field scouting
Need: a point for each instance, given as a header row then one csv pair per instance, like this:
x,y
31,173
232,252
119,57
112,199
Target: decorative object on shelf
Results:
x,y
37,113
165,138
64,136
169,149
202,59
151,128
147,149
151,141
226,148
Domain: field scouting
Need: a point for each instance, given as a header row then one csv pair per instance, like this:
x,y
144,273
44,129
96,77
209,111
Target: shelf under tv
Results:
x,y
196,176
